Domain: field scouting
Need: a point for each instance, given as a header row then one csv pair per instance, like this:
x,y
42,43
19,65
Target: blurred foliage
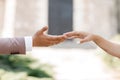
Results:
x,y
21,67
111,61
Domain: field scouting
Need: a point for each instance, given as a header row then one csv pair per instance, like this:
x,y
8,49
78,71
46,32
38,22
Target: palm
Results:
x,y
42,39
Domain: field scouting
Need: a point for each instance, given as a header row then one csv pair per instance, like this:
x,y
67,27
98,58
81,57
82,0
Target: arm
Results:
x,y
109,47
12,45
20,45
40,39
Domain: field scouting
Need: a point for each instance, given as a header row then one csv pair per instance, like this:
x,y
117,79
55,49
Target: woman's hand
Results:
x,y
84,36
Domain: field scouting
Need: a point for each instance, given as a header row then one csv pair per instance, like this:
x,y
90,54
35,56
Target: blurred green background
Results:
x,y
17,67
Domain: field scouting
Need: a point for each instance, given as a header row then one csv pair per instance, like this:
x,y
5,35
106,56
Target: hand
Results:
x,y
84,36
42,39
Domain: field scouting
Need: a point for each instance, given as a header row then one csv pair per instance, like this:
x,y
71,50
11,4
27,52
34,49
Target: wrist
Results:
x,y
33,42
96,38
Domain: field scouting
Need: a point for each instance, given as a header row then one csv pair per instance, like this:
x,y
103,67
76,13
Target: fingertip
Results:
x,y
82,41
63,37
70,34
45,28
67,35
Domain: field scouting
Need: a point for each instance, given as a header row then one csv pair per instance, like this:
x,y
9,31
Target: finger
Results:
x,y
73,37
41,31
70,34
82,41
85,40
55,42
51,43
57,38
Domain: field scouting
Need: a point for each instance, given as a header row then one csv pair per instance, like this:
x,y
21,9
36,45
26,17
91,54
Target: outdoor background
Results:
x,y
68,60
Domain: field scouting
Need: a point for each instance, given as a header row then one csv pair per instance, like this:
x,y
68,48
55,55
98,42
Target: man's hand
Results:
x,y
40,39
84,36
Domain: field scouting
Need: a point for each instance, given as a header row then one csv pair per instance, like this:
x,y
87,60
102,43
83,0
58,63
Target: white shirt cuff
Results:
x,y
28,43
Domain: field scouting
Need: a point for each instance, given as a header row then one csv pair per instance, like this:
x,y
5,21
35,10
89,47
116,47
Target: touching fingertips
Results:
x,y
82,41
67,35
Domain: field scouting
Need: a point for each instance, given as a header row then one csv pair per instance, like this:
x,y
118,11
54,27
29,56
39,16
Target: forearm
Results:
x,y
109,47
12,45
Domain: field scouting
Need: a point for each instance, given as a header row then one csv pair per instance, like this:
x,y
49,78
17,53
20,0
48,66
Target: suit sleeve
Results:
x,y
12,45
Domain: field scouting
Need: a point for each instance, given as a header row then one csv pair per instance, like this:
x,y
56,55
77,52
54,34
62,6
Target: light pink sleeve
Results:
x,y
12,45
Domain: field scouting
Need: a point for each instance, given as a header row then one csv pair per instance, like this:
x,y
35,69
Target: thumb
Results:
x,y
41,31
87,39
83,40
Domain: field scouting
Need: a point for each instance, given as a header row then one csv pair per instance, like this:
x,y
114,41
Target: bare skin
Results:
x,y
106,45
40,39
